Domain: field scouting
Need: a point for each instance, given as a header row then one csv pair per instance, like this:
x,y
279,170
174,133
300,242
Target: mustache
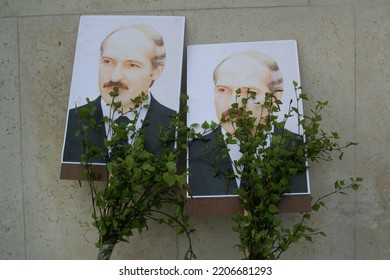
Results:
x,y
226,115
112,84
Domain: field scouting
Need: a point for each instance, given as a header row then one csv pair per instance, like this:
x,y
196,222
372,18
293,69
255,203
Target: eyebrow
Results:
x,y
126,60
250,88
134,61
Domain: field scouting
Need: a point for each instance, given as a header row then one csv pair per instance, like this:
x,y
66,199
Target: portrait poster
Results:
x,y
125,42
202,60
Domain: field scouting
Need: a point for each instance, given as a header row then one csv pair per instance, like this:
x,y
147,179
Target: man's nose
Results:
x,y
117,73
243,94
244,91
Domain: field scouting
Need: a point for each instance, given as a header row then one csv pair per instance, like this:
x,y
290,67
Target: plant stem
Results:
x,y
105,251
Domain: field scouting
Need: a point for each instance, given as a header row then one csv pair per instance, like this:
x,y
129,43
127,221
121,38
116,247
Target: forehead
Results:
x,y
128,42
242,71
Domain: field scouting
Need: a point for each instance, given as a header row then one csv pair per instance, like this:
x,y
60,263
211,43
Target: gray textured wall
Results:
x,y
344,58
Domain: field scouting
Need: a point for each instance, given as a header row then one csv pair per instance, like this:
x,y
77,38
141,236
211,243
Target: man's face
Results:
x,y
244,73
126,63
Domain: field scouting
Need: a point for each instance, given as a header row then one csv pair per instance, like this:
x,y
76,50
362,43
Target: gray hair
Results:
x,y
276,83
156,38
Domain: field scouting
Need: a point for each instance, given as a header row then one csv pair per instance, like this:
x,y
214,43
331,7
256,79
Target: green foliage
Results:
x,y
141,186
271,156
144,187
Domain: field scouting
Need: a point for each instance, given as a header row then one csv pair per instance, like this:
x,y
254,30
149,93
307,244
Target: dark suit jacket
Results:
x,y
209,169
157,118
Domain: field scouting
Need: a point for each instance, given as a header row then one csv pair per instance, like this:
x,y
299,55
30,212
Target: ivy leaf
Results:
x,y
273,209
309,238
148,167
169,179
129,162
316,207
171,166
205,125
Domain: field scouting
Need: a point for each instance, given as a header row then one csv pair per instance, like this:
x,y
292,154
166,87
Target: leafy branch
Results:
x,y
273,159
141,186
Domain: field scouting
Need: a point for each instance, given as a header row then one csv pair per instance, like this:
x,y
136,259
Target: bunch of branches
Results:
x,y
141,186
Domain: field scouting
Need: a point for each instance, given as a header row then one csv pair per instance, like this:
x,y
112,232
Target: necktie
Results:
x,y
123,122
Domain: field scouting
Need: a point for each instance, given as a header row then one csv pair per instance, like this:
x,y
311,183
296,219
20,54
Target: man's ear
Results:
x,y
157,72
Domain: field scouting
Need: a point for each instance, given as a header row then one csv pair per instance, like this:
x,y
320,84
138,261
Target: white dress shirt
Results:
x,y
235,154
110,113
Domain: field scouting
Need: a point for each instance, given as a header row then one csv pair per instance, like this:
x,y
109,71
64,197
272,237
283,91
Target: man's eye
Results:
x,y
106,61
131,65
223,90
253,92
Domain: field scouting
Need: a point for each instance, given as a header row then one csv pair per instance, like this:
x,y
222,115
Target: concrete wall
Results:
x,y
344,58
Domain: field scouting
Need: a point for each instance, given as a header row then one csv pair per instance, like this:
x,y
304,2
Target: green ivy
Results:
x,y
266,169
141,186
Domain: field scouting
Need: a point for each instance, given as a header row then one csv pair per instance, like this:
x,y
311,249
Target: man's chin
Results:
x,y
108,92
228,127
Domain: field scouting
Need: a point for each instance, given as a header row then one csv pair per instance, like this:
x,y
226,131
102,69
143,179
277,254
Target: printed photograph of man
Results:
x,y
248,70
132,58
